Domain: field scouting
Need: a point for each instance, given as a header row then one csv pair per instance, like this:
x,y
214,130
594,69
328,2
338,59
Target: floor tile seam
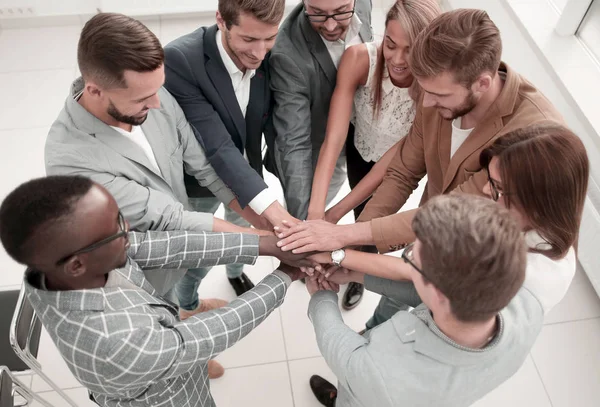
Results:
x,y
537,370
570,321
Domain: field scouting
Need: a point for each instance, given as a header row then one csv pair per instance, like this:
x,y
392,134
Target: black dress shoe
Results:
x,y
241,284
353,295
324,391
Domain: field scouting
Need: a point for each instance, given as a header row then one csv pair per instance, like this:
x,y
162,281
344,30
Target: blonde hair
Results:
x,y
414,16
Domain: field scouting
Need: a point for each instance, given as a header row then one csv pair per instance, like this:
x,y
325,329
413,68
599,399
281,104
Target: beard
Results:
x,y
120,117
466,107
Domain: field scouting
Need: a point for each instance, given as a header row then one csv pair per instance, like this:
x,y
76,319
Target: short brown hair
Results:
x,y
413,16
266,11
473,251
112,43
464,42
545,174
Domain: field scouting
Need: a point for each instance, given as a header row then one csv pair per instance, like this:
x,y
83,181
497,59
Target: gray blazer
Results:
x,y
80,144
408,361
303,78
128,346
199,81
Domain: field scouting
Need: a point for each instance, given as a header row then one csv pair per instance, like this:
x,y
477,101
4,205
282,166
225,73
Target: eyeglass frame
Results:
x,y
410,260
123,231
496,194
332,16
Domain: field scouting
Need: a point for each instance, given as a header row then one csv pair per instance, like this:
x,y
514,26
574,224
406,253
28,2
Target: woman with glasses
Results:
x,y
375,91
546,197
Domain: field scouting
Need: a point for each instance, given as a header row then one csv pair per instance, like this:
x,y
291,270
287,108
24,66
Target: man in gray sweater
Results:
x,y
473,330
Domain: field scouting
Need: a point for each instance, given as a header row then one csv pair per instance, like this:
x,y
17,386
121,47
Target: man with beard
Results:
x,y
469,98
122,129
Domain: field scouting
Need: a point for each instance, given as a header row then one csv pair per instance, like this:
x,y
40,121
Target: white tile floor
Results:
x,y
270,367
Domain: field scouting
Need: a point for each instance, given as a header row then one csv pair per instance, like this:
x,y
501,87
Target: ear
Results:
x,y
441,300
94,90
220,22
483,83
74,267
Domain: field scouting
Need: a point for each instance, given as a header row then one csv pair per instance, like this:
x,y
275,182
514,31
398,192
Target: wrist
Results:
x,y
357,234
267,245
316,213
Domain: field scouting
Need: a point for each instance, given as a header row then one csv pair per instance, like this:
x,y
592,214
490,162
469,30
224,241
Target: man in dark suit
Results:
x,y
219,75
303,67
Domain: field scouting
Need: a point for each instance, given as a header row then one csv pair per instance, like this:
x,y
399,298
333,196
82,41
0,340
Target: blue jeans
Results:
x,y
186,289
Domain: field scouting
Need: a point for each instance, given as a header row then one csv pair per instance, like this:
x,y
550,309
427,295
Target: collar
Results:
x,y
231,67
419,327
96,299
82,119
387,84
353,31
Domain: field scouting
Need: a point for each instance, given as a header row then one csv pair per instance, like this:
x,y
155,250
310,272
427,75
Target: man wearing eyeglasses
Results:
x,y
466,336
87,281
303,68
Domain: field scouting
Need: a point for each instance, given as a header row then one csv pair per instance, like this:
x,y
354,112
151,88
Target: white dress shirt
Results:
x,y
138,137
337,48
241,87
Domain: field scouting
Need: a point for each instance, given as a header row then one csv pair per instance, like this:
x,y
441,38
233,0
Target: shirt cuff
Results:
x,y
262,201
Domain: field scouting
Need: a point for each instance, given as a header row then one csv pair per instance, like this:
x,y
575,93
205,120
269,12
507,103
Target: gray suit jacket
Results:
x,y
408,361
303,78
128,346
80,144
199,81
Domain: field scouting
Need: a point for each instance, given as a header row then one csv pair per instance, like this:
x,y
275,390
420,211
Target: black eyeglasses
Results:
x,y
496,192
321,18
407,256
123,230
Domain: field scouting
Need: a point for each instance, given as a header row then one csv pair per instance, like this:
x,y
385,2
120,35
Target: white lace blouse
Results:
x,y
373,138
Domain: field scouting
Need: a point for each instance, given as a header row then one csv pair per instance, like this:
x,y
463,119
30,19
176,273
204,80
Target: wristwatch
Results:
x,y
338,256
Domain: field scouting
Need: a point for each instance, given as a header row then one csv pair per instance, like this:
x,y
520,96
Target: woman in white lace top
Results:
x,y
375,83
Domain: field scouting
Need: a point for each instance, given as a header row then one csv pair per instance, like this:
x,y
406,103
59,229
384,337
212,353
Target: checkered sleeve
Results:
x,y
181,249
145,355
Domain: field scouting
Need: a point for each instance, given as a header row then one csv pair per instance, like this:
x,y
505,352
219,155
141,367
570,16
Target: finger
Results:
x,y
299,244
306,247
289,230
292,239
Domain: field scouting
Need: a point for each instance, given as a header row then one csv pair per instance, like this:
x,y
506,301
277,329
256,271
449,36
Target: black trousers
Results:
x,y
357,167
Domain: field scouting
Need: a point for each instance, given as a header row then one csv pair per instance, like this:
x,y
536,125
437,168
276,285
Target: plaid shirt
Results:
x,y
128,347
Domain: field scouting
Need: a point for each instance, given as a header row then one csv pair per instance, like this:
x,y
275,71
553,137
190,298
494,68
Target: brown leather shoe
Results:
x,y
215,369
205,305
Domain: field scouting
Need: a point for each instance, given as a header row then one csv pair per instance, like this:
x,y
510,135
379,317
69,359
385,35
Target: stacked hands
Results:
x,y
305,252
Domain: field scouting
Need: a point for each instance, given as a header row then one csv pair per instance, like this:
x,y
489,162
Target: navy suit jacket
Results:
x,y
199,81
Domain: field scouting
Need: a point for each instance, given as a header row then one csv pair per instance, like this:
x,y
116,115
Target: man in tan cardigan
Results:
x,y
468,99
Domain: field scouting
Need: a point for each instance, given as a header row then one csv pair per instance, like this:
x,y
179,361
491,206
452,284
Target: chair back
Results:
x,y
6,390
9,300
25,331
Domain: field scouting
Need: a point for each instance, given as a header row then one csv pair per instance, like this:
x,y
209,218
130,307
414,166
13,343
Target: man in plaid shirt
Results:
x,y
85,279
